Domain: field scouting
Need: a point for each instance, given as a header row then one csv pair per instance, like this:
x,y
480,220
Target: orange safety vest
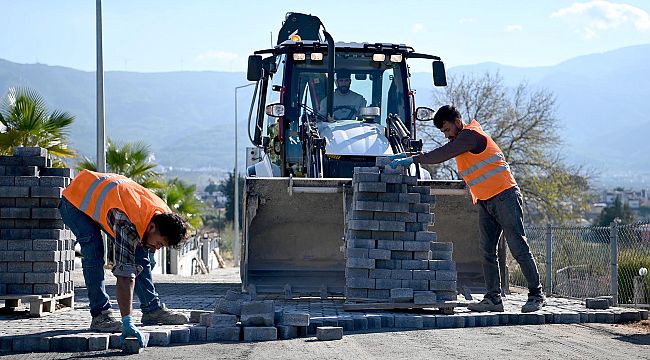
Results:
x,y
487,174
96,193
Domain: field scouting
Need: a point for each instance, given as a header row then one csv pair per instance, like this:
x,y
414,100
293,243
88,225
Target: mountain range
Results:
x,y
188,118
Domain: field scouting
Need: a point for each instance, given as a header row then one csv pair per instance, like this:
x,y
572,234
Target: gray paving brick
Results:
x,y
20,289
368,205
407,217
161,337
362,215
45,245
47,255
43,289
364,196
360,323
422,255
7,181
390,244
396,188
425,218
34,343
382,235
387,321
27,202
66,172
45,213
415,227
19,245
363,224
360,283
388,197
365,177
267,333
197,333
420,208
224,334
391,178
374,321
69,343
294,318
50,234
595,303
357,273
257,313
222,320
388,264
45,192
286,332
328,333
361,243
442,265
446,275
384,216
26,180
98,342
401,255
360,263
380,274
440,285
382,254
402,274
41,278
409,322
401,294
387,284
424,275
356,293
39,161
378,293
531,319
180,335
366,169
449,321
12,255
115,341
431,199
427,236
441,255
419,285
26,224
7,224
25,151
391,226
442,246
12,278
131,345
357,253
15,234
376,187
48,202
14,213
411,198
396,207
416,246
21,171
424,297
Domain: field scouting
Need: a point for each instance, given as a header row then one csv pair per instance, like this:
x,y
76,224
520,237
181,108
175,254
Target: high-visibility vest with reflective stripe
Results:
x,y
96,193
487,174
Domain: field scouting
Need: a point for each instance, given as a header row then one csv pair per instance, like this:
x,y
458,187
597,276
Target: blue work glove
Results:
x,y
396,156
129,329
406,162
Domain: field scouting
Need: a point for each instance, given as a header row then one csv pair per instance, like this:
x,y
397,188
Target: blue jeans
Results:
x,y
503,213
88,233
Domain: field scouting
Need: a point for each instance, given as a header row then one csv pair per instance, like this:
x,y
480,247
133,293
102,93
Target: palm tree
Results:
x,y
131,159
26,121
180,197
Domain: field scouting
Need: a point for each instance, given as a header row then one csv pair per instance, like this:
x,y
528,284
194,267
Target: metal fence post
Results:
x,y
613,242
549,260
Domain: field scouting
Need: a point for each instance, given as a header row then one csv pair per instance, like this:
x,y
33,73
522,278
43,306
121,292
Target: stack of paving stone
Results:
x,y
36,249
238,317
390,254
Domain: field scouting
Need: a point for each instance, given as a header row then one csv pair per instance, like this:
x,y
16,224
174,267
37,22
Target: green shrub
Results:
x,y
629,264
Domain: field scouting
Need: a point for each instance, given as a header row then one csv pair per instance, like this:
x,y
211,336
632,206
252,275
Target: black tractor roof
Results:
x,y
288,47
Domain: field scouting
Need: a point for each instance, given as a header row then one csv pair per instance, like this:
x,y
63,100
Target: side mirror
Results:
x,y
424,113
274,110
254,68
439,75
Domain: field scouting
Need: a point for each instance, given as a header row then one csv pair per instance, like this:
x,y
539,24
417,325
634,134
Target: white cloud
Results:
x,y
418,27
466,20
514,28
212,55
590,18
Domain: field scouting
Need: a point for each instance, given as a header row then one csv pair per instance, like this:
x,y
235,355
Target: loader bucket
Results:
x,y
293,237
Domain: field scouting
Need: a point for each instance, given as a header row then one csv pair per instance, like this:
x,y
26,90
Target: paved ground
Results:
x,y
593,341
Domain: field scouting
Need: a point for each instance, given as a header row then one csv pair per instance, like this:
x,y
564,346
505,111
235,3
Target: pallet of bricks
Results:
x,y
36,249
393,261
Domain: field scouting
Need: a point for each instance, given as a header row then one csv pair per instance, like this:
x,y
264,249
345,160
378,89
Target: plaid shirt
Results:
x,y
126,239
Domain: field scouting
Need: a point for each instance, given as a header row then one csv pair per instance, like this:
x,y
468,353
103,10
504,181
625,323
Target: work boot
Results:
x,y
164,316
105,322
534,303
487,304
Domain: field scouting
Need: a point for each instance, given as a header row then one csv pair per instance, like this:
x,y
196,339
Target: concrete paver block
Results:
x,y
161,337
131,345
387,321
262,333
197,333
286,332
374,321
30,344
294,319
69,343
223,334
327,333
98,342
596,303
346,322
180,335
258,313
409,322
360,323
195,315
221,320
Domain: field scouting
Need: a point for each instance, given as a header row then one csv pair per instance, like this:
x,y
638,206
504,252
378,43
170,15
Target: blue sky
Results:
x,y
172,35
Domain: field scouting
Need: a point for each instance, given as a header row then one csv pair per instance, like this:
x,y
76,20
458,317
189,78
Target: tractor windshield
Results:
x,y
360,82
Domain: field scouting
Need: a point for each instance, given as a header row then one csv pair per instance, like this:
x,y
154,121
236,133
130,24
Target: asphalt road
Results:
x,y
583,341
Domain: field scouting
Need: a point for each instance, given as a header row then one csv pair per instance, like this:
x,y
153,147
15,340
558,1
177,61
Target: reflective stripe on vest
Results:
x,y
489,174
102,196
91,190
482,164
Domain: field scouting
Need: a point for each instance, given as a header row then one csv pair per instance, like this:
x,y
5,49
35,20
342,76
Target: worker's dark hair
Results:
x,y
445,113
343,74
171,226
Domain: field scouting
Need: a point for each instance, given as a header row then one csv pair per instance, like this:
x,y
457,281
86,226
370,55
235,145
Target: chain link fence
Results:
x,y
577,261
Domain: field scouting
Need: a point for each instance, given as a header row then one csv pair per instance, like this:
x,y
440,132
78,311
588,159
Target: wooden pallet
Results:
x,y
446,307
40,305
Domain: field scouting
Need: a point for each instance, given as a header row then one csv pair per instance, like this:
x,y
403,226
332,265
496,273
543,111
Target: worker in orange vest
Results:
x,y
493,187
139,223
